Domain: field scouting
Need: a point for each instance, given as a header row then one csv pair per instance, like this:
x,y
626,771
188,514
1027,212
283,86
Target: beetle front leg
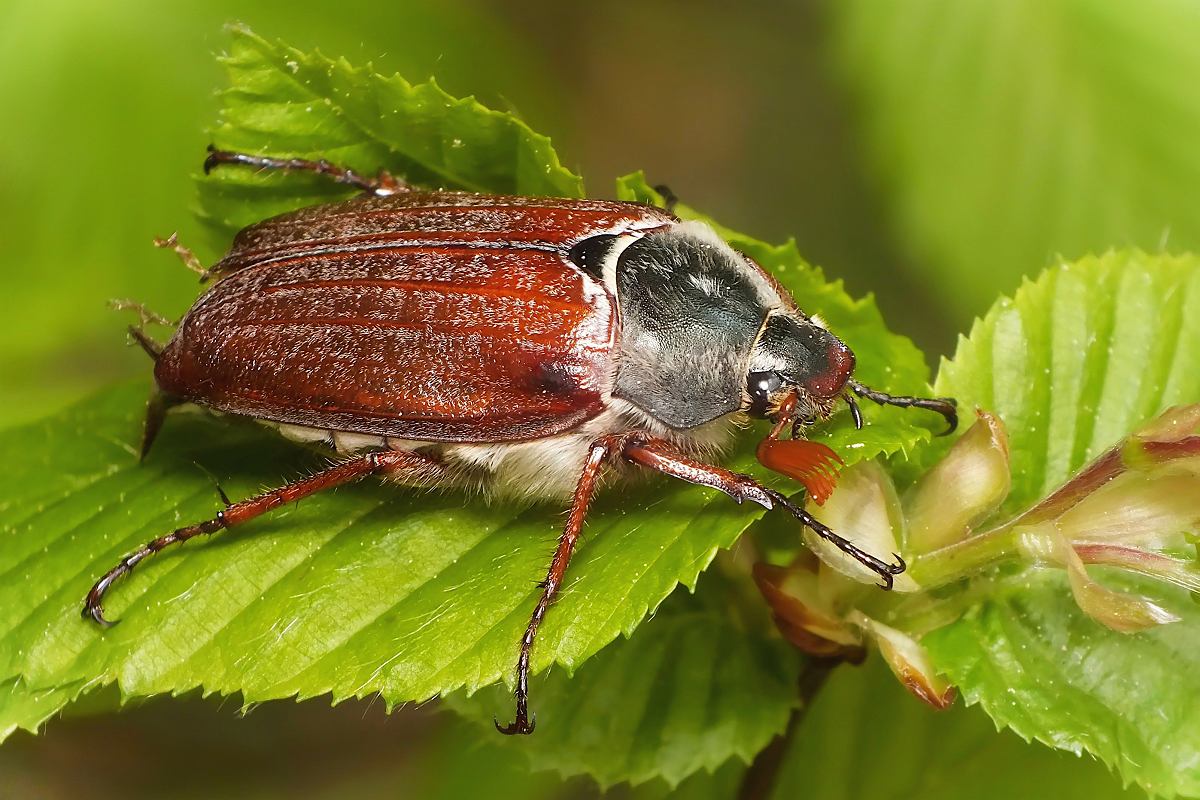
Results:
x,y
661,456
394,462
584,491
383,184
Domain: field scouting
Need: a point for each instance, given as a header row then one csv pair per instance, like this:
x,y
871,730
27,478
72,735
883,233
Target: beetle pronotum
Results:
x,y
526,344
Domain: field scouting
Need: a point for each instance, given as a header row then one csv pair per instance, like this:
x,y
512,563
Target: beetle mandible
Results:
x,y
525,344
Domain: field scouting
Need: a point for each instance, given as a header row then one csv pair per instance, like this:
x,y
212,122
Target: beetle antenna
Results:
x,y
946,406
855,412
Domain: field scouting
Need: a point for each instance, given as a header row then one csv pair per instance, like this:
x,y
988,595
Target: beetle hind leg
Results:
x,y
189,259
151,346
384,183
396,462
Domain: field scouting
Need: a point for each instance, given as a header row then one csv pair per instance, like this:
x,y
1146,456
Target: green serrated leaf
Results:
x,y
363,590
288,103
372,588
1078,359
1004,133
1073,363
638,711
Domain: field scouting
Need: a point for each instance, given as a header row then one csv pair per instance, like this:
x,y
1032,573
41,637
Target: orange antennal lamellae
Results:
x,y
813,464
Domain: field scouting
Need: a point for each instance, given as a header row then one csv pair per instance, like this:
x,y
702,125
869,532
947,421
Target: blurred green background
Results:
x,y
931,151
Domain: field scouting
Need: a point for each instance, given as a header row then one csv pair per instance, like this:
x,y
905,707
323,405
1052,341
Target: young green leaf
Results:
x,y
1073,363
363,590
639,710
1078,359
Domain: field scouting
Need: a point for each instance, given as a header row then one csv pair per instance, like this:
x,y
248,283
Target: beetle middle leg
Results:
x,y
661,456
599,452
382,184
397,463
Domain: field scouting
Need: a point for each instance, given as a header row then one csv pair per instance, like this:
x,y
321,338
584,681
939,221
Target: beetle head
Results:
x,y
797,372
797,369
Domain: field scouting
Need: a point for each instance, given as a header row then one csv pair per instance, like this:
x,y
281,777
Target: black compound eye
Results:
x,y
761,386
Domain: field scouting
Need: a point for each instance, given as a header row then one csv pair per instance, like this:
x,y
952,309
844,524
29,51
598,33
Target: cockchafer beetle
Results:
x,y
519,343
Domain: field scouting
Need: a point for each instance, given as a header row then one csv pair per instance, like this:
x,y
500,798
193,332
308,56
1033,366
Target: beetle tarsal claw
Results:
x,y
95,612
518,727
890,571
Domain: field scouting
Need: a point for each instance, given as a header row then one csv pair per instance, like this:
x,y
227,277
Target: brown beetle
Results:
x,y
517,343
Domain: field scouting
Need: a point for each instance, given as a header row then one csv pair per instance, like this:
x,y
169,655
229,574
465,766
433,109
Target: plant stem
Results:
x,y
964,558
758,782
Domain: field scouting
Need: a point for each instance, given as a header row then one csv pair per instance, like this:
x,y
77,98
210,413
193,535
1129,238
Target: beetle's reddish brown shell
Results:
x,y
428,316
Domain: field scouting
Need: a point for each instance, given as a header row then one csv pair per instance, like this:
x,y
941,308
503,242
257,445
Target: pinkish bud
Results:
x,y
1120,611
803,616
1118,511
909,662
